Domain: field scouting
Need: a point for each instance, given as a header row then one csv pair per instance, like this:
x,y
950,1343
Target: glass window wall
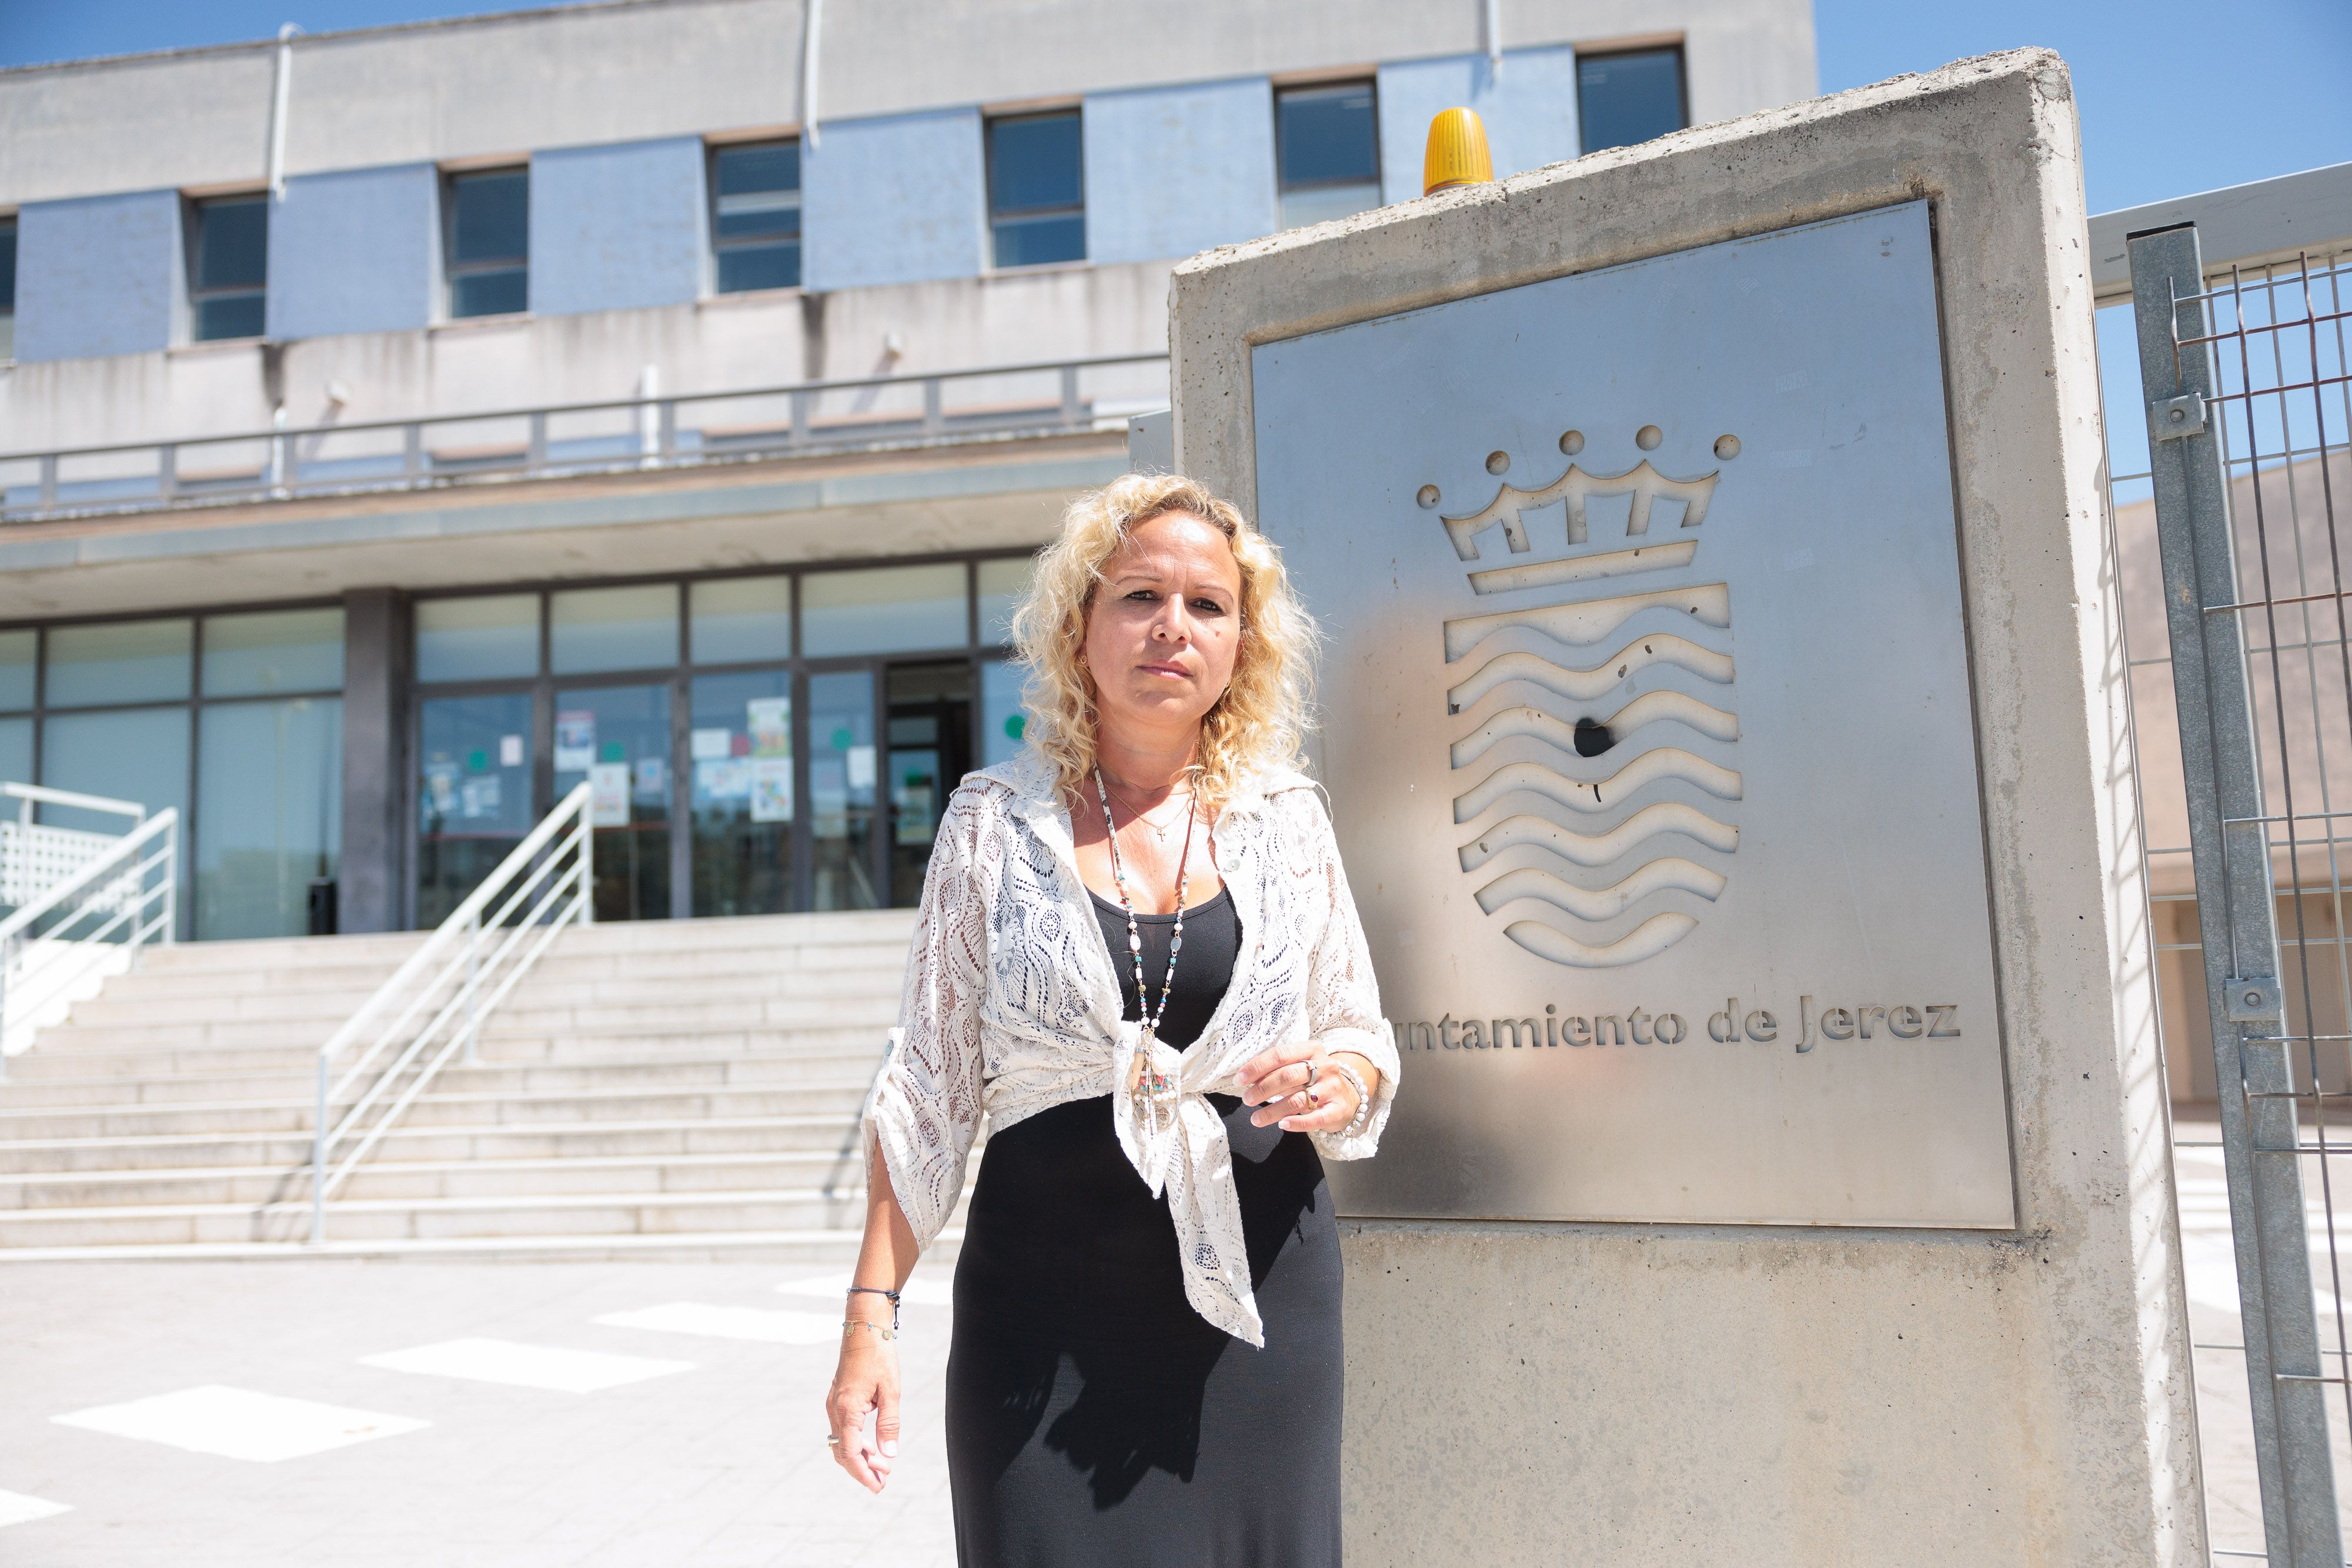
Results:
x,y
590,630
119,662
243,709
277,651
481,638
269,818
739,754
617,739
884,611
741,620
792,751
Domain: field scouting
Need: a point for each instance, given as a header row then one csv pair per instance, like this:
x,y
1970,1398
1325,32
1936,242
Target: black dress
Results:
x,y
1095,1420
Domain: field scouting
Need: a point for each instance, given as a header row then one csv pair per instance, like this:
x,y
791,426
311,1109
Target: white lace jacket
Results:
x,y
1011,1007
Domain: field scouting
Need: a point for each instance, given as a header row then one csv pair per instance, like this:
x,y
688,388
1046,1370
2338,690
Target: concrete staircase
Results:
x,y
663,1089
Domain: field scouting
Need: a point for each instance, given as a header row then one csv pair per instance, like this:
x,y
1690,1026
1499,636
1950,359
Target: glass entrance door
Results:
x,y
473,799
617,739
740,755
929,738
841,772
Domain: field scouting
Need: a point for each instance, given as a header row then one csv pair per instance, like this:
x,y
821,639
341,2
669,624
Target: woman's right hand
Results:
x,y
864,1383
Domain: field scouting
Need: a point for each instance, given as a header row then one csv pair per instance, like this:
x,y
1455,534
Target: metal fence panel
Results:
x,y
2235,381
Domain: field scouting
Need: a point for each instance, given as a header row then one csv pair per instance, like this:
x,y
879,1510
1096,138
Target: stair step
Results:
x,y
691,1136
484,1078
250,1186
709,1246
661,1089
425,1219
439,1109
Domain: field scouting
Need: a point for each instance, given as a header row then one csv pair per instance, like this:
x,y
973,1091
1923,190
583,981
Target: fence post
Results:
x,y
2231,850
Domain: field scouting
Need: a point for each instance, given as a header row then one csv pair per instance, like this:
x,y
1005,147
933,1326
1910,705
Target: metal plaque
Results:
x,y
1646,718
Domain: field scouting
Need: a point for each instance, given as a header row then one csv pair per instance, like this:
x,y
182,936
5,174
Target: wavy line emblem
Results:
x,y
1593,733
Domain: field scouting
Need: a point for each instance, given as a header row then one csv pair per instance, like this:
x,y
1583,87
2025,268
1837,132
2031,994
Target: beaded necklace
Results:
x,y
1154,1092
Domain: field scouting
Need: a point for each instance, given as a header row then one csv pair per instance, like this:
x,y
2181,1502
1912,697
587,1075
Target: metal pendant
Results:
x,y
1155,1093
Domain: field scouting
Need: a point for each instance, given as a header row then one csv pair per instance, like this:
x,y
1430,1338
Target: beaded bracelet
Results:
x,y
1363,1098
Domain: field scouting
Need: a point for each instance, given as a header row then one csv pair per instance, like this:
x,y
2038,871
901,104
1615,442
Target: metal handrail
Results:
x,y
553,868
114,889
32,794
649,440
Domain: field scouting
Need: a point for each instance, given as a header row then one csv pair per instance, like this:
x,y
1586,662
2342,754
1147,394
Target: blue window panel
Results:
x,y
1528,108
99,275
616,227
356,251
1174,171
1630,98
896,199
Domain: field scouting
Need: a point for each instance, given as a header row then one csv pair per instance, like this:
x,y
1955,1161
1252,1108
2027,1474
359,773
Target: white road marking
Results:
x,y
15,1507
525,1366
238,1424
730,1323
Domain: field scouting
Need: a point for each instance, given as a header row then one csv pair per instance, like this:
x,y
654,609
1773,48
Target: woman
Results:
x,y
1137,958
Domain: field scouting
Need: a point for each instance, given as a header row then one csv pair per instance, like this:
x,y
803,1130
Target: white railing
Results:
x,y
434,1004
36,856
88,922
997,403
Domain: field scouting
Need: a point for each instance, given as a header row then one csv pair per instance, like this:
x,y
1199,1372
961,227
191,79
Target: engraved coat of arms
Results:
x,y
1592,728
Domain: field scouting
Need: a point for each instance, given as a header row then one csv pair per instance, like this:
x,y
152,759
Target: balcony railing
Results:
x,y
560,441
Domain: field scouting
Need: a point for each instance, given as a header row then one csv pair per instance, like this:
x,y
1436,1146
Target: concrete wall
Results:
x,y
358,251
617,227
894,200
498,87
713,344
1528,107
1175,170
104,274
1781,1397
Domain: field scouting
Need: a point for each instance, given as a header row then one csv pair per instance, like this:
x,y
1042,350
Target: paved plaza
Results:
x,y
510,1415
600,1415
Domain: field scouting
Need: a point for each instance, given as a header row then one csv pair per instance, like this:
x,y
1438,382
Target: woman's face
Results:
x,y
1165,626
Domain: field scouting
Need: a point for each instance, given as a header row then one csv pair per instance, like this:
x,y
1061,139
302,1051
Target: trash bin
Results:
x,y
322,906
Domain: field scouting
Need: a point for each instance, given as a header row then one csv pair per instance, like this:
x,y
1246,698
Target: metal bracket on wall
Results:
x,y
2253,999
2173,418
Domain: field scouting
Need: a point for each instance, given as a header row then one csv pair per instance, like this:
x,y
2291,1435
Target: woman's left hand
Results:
x,y
1276,1082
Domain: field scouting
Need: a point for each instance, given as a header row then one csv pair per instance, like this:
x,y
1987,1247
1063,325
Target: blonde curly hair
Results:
x,y
1256,723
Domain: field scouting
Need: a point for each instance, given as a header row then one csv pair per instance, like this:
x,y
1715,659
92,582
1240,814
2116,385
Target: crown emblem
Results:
x,y
1594,738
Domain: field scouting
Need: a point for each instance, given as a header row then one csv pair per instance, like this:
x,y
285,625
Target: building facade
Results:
x,y
402,428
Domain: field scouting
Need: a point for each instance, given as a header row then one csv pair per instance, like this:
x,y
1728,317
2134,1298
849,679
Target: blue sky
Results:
x,y
2177,97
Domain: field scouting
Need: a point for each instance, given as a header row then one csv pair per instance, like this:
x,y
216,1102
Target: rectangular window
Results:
x,y
1327,143
755,216
7,288
483,638
1624,99
487,224
228,266
1036,189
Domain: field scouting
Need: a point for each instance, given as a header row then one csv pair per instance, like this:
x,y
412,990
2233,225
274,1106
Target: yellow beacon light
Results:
x,y
1457,153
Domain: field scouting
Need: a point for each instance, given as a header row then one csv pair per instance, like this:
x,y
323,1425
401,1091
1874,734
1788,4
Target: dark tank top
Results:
x,y
1062,1237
